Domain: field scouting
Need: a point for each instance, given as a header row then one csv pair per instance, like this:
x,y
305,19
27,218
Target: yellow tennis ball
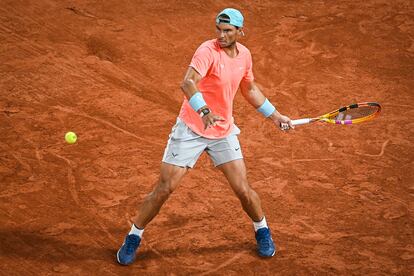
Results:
x,y
71,137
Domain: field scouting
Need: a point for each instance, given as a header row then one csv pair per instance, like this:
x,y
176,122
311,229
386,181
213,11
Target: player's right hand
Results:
x,y
210,120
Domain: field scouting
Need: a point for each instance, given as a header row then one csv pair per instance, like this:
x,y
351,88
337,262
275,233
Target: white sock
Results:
x,y
260,224
136,231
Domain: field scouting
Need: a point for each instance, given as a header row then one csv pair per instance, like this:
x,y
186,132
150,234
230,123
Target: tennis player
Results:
x,y
205,123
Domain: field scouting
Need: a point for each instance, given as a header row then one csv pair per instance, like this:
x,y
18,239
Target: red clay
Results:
x,y
339,199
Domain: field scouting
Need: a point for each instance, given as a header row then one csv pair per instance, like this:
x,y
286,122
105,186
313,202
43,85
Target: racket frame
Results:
x,y
326,117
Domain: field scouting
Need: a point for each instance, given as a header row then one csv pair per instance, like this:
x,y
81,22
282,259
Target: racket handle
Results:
x,y
301,121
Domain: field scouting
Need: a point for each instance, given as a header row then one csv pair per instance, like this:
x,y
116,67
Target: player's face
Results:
x,y
227,34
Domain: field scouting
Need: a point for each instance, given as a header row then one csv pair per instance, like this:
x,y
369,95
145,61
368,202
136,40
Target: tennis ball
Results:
x,y
71,137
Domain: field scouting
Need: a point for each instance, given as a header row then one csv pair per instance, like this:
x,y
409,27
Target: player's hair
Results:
x,y
224,18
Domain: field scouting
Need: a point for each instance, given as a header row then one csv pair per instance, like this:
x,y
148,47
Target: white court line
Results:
x,y
78,113
226,263
376,155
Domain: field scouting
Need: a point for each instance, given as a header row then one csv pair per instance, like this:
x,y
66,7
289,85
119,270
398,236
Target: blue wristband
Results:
x,y
197,101
266,108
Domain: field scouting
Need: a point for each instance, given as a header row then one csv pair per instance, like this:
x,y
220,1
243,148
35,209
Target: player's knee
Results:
x,y
163,190
161,195
245,195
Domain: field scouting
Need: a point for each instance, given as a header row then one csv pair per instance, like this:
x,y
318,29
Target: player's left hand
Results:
x,y
282,121
210,120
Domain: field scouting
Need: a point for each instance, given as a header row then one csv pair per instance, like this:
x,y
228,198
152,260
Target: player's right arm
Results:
x,y
189,88
189,84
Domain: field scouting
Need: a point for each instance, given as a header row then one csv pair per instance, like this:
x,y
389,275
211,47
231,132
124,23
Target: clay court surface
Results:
x,y
339,199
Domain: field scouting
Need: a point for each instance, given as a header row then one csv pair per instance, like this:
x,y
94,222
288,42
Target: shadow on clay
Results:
x,y
249,248
17,243
26,245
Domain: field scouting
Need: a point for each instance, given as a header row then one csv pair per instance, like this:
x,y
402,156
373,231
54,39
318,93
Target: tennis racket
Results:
x,y
351,114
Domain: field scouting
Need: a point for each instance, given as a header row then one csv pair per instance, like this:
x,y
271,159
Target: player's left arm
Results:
x,y
255,97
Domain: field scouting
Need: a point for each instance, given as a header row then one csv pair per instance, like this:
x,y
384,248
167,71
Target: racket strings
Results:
x,y
355,113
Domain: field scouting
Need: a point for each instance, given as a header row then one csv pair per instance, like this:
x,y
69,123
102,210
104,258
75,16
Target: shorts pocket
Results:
x,y
236,130
182,132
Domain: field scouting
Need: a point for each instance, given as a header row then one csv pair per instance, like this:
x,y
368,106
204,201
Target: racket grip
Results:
x,y
301,121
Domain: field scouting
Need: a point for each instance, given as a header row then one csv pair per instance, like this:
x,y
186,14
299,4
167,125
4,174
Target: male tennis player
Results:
x,y
205,123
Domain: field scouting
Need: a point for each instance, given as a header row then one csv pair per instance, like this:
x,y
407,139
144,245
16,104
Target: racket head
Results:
x,y
353,114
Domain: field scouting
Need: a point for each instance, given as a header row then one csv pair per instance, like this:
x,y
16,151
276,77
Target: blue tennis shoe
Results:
x,y
126,254
265,245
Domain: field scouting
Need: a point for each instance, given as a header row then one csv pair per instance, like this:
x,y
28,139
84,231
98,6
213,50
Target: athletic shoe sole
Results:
x,y
274,252
117,258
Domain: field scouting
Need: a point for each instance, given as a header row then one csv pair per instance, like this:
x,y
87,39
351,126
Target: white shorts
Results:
x,y
185,147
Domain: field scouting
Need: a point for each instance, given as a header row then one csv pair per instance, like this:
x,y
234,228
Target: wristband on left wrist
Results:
x,y
197,101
